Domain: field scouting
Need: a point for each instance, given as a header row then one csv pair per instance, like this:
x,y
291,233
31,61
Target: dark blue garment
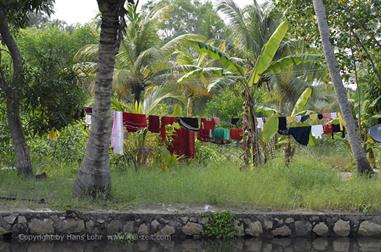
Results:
x,y
305,118
282,123
300,134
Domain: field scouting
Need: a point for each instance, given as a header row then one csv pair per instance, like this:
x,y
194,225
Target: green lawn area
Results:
x,y
310,182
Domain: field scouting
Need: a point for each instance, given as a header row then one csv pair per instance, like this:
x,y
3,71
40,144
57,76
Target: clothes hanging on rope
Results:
x,y
134,122
236,134
189,123
183,143
207,128
117,135
300,134
234,121
166,120
317,131
154,123
282,123
260,123
221,135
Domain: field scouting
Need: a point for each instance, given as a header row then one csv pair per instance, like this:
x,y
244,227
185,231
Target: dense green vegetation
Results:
x,y
179,57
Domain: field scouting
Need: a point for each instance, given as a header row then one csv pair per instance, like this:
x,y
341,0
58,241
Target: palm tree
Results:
x,y
362,162
94,175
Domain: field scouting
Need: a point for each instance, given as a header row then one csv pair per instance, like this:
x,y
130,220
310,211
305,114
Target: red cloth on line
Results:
x,y
134,122
166,120
327,116
154,123
207,125
183,143
236,133
327,129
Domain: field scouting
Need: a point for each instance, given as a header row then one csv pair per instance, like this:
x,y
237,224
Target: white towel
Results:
x,y
88,120
298,118
317,131
260,123
117,138
334,115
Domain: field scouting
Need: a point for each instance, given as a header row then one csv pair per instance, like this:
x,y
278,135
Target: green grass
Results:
x,y
307,184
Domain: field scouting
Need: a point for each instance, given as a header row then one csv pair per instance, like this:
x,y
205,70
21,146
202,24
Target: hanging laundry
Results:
x,y
305,118
88,110
235,120
154,123
334,115
298,118
207,127
260,123
327,129
236,133
313,117
282,123
189,123
301,134
375,132
290,119
117,135
317,131
87,120
134,122
336,128
341,120
320,116
327,116
183,143
166,120
221,135
216,121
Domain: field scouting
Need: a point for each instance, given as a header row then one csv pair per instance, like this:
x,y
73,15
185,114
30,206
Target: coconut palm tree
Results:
x,y
94,175
362,162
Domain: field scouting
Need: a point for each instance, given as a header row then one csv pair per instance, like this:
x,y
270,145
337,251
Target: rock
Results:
x,y
268,224
192,228
368,228
282,231
10,219
37,226
70,226
129,227
90,225
114,227
21,220
143,229
204,220
101,221
254,229
342,228
3,231
184,220
289,220
20,228
302,228
238,226
155,225
321,229
166,230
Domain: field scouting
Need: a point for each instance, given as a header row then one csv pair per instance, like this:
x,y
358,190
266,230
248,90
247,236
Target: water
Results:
x,y
255,245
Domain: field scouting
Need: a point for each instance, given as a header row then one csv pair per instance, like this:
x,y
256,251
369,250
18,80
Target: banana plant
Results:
x,y
235,71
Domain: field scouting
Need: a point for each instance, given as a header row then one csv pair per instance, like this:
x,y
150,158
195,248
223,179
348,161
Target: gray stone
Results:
x,y
10,219
268,224
21,220
20,228
342,228
90,225
192,228
143,229
254,229
3,231
155,225
238,226
129,227
166,230
114,227
282,231
302,228
184,220
37,226
101,221
289,220
204,220
193,219
368,228
321,229
70,226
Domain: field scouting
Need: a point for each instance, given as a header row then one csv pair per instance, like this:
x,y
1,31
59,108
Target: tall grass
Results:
x,y
307,184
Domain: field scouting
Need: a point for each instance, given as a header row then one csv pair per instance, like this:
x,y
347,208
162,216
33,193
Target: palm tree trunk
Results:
x,y
362,162
94,175
13,91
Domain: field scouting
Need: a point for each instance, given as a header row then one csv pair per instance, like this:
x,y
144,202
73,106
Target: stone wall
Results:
x,y
100,225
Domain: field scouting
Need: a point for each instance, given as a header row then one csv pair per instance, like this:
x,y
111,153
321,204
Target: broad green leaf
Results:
x,y
302,101
209,72
270,128
375,102
292,60
214,53
268,52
